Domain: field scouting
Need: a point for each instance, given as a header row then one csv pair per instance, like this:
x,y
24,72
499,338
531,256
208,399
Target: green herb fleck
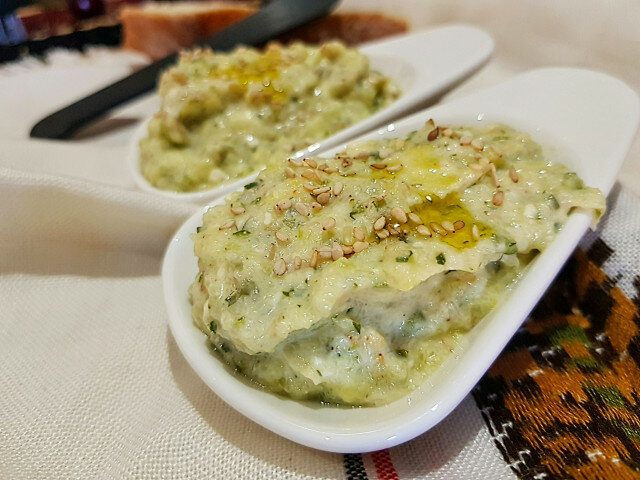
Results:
x,y
440,259
199,229
251,185
511,248
212,327
405,258
287,293
242,233
256,200
357,326
402,352
356,210
553,202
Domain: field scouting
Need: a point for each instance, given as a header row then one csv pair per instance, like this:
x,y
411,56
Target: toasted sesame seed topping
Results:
x,y
394,168
382,233
414,218
237,210
227,224
465,140
447,132
302,209
494,175
319,190
423,230
358,234
380,223
297,262
336,251
283,237
448,226
437,228
458,225
329,223
498,198
433,134
310,174
311,162
337,188
475,232
398,214
347,249
330,170
272,252
477,145
359,246
289,173
322,167
513,175
283,206
316,207
324,252
280,267
309,187
313,261
393,231
378,166
323,198
346,162
296,162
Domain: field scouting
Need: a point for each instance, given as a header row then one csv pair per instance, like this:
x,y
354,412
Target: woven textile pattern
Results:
x,y
562,400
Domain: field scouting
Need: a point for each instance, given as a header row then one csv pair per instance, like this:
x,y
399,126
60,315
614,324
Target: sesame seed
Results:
x,y
448,226
423,230
324,252
347,249
475,232
382,233
280,267
337,188
358,234
323,167
336,251
398,214
289,173
310,174
447,132
316,207
483,161
296,162
379,223
378,166
323,198
359,246
437,228
311,162
430,123
268,218
272,252
477,145
309,187
283,206
465,140
313,261
329,223
433,134
319,190
297,262
237,210
393,231
394,168
283,237
513,175
330,170
414,218
346,162
458,225
494,175
302,209
498,198
227,224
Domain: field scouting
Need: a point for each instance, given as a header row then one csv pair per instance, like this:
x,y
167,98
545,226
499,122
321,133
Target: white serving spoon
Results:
x,y
424,65
583,119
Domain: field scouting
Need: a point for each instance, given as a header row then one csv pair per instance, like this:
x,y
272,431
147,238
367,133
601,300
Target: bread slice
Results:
x,y
159,29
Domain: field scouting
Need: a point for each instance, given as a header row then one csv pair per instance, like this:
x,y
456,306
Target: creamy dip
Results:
x,y
224,116
348,280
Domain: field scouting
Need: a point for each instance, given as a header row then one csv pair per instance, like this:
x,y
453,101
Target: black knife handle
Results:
x,y
272,20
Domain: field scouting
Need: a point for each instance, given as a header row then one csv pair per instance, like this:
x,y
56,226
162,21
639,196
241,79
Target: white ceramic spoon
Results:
x,y
589,118
424,64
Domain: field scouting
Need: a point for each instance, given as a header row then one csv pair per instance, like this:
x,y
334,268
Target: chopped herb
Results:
x,y
357,326
242,233
375,155
212,327
356,210
379,203
511,248
198,229
381,285
287,293
256,200
440,259
403,239
402,352
251,185
349,310
405,258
